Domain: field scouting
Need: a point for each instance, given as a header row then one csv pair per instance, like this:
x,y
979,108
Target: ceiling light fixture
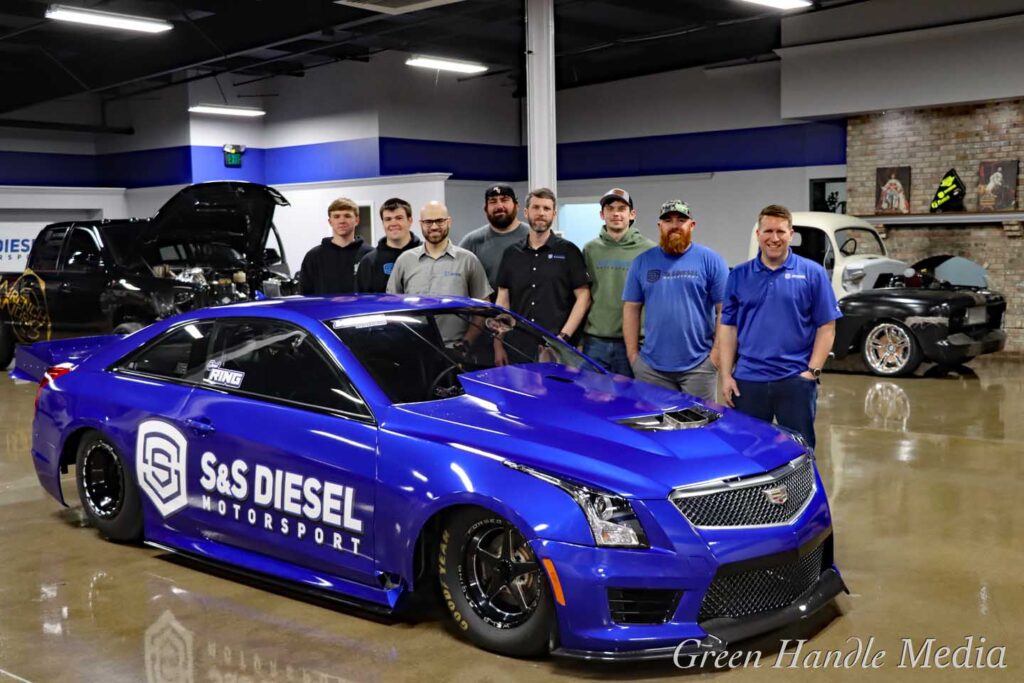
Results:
x,y
782,4
226,110
446,65
127,22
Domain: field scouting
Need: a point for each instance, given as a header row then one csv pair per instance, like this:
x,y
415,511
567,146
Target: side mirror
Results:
x,y
271,257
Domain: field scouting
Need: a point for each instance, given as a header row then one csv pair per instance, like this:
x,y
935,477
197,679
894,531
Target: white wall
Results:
x,y
304,224
725,205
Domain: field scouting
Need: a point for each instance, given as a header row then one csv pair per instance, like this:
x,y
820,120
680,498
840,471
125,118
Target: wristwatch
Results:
x,y
563,336
815,371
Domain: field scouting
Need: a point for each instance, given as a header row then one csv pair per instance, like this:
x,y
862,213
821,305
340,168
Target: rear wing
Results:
x,y
32,360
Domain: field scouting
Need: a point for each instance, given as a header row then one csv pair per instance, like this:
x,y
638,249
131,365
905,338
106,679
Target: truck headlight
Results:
x,y
611,517
852,277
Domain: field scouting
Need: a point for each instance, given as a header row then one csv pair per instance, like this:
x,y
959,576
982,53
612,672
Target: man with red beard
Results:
x,y
681,284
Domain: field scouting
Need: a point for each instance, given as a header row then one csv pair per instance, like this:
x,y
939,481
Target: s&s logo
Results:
x,y
160,459
653,275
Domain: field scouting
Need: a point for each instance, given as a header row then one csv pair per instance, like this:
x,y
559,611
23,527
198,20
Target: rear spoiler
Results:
x,y
32,360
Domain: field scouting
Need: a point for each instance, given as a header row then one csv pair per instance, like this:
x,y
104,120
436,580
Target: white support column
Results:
x,y
540,93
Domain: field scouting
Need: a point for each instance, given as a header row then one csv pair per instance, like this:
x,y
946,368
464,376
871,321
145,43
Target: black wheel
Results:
x,y
890,350
6,344
493,585
107,489
128,328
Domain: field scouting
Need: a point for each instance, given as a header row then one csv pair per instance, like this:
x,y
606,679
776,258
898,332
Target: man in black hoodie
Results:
x,y
375,267
330,267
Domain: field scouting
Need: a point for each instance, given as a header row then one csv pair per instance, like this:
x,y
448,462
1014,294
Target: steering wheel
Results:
x,y
440,376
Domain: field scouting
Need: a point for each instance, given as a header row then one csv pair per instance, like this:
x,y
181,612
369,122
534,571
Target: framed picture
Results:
x,y
828,194
997,185
892,189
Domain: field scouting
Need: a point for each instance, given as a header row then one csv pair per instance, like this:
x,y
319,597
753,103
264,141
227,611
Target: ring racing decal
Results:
x,y
24,302
161,454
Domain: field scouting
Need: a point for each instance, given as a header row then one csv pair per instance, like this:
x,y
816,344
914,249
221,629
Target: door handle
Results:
x,y
202,426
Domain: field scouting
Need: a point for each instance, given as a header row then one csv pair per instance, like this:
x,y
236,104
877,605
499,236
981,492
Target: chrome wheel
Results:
x,y
500,575
890,350
103,480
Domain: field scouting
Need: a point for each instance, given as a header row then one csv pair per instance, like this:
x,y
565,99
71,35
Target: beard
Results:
x,y
501,222
540,227
436,236
675,242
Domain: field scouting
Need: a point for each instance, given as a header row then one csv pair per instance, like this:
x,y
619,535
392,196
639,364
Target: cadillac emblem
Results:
x,y
777,495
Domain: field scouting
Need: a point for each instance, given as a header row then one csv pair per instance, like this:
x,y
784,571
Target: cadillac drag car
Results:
x,y
364,448
895,316
211,243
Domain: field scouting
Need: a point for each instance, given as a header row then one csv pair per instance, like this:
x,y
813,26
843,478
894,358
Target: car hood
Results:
x,y
954,270
236,213
568,422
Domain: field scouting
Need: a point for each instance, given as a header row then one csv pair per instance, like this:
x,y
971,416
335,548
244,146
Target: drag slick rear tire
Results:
x,y
493,586
107,489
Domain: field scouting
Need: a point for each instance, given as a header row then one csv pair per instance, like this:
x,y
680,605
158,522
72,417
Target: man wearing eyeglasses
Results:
x,y
438,267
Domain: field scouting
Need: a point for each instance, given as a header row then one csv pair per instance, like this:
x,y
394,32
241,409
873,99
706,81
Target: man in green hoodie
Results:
x,y
608,257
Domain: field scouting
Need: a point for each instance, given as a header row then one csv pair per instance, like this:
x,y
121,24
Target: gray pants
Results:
x,y
700,381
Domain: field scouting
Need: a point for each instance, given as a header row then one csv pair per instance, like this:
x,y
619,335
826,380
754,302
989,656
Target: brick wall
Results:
x,y
931,141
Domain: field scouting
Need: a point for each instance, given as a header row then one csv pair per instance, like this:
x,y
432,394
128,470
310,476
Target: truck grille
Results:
x,y
768,499
741,594
642,606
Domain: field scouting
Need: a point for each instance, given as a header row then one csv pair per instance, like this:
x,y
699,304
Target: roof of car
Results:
x,y
828,221
338,306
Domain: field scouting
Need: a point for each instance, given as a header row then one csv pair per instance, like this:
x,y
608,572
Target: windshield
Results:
x,y
859,242
417,355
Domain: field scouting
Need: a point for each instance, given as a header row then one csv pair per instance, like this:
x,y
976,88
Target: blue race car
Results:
x,y
374,449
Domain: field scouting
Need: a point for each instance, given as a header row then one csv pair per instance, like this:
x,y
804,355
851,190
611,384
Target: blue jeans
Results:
x,y
611,355
792,402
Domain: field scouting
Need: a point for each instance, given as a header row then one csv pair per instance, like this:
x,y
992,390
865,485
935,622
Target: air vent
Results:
x,y
672,420
394,7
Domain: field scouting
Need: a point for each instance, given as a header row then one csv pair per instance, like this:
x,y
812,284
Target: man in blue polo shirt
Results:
x,y
681,285
779,313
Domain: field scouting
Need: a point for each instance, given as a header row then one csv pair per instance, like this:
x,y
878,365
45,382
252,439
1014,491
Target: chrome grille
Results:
x,y
760,590
752,501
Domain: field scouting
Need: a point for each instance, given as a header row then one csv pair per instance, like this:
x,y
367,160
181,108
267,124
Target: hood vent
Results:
x,y
684,418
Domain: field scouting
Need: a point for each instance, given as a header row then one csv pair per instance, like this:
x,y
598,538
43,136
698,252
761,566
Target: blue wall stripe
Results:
x,y
338,160
806,144
464,160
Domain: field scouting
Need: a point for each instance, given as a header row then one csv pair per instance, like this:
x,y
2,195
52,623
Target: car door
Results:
x,y
83,282
287,462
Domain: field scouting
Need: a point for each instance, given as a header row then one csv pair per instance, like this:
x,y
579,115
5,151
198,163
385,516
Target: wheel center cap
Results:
x,y
891,348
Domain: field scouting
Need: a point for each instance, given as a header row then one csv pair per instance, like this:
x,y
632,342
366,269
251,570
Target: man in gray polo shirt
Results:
x,y
438,267
503,229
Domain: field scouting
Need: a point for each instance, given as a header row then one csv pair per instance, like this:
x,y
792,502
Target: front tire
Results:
x,y
493,586
890,349
107,489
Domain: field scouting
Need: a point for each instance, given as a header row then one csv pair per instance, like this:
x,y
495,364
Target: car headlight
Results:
x,y
852,278
611,517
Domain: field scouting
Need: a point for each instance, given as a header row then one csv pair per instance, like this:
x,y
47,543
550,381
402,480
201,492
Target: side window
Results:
x,y
83,252
179,354
813,244
280,362
47,249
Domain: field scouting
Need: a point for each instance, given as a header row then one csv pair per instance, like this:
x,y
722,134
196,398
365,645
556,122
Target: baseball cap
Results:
x,y
500,190
675,206
616,194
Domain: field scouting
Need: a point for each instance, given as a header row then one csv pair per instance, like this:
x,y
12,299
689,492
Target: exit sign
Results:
x,y
233,155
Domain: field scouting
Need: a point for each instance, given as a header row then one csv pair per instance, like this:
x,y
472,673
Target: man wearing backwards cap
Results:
x,y
608,257
682,285
503,229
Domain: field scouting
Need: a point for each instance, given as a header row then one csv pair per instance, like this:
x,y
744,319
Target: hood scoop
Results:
x,y
690,417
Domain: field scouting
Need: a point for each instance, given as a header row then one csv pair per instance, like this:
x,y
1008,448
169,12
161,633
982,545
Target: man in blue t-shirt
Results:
x,y
779,314
681,285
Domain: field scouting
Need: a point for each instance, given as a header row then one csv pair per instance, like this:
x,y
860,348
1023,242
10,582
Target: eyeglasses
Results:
x,y
431,222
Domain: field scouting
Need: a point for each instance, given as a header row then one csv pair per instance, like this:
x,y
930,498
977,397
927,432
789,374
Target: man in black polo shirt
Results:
x,y
544,278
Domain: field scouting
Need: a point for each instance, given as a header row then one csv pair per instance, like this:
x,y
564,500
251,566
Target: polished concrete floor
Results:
x,y
926,478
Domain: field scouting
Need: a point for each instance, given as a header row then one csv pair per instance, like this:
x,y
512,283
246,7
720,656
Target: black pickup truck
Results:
x,y
211,243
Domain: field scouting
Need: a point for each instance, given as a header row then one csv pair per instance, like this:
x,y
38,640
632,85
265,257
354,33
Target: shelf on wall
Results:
x,y
957,218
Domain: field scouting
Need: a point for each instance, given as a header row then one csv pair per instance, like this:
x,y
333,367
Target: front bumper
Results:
x,y
722,633
959,347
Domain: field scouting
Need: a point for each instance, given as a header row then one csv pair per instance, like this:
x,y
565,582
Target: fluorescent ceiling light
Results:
x,y
94,17
226,110
446,65
782,4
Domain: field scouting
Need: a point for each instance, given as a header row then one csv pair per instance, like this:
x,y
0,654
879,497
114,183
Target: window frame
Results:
x,y
41,242
317,345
